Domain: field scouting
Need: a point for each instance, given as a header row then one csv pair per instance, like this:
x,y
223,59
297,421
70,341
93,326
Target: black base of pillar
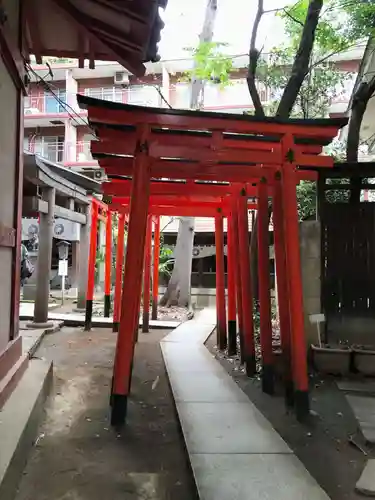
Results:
x,y
111,395
221,338
119,409
242,348
154,311
88,315
302,405
289,393
107,306
146,322
268,379
232,337
116,326
250,365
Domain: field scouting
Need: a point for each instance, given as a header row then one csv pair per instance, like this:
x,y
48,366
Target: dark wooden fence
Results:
x,y
348,259
348,251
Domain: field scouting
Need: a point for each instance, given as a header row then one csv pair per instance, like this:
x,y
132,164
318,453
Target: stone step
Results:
x,y
19,420
9,382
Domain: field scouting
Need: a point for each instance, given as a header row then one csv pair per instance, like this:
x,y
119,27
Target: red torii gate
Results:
x,y
148,143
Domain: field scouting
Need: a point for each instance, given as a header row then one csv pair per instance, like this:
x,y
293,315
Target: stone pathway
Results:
x,y
366,483
234,451
361,398
27,313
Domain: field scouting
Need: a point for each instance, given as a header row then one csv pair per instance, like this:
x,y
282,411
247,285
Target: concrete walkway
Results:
x,y
77,319
234,451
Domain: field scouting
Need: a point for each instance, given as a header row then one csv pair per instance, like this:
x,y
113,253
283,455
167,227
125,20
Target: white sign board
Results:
x,y
63,268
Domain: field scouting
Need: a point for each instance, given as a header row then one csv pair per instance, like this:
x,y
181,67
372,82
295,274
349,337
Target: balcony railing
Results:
x,y
83,152
235,96
46,103
54,151
60,152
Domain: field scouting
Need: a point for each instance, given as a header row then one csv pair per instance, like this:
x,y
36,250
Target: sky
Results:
x,y
183,24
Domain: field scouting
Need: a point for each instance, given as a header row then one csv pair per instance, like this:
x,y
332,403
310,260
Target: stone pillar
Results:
x,y
44,258
83,257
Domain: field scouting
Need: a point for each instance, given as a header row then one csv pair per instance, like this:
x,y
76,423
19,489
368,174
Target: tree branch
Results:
x,y
253,63
301,62
359,104
292,17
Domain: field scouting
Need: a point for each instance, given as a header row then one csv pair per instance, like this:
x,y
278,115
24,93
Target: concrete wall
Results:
x,y
310,265
9,149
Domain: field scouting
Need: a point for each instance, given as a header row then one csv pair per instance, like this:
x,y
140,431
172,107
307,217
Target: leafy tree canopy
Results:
x,y
211,64
342,23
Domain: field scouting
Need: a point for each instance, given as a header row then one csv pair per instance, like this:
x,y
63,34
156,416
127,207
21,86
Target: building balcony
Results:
x,y
49,110
53,109
77,155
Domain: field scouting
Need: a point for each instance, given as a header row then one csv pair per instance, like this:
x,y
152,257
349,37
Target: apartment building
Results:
x,y
55,128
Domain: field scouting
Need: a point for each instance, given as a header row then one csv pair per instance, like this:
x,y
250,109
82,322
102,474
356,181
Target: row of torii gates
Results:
x,y
189,163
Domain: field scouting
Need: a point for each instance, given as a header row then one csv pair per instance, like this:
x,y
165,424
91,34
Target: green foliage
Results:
x,y
306,200
166,261
58,60
210,64
342,23
99,259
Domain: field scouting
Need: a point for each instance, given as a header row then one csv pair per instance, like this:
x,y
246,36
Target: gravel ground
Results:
x,y
78,456
323,445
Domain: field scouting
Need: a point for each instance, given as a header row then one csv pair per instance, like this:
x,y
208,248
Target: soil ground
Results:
x,y
77,455
173,313
323,444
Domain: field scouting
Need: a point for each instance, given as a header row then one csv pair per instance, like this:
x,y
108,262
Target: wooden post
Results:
x,y
108,265
247,295
91,269
155,279
147,278
232,320
221,327
132,279
119,269
293,259
264,290
282,287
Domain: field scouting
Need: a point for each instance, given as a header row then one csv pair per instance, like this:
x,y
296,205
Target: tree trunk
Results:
x,y
178,290
301,61
253,63
300,69
359,104
197,85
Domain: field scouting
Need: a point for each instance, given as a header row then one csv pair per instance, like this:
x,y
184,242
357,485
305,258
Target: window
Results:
x,y
212,95
50,147
114,94
54,102
181,97
144,95
236,94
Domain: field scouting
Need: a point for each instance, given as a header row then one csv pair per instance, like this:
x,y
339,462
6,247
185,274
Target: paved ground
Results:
x,y
324,445
234,451
78,456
